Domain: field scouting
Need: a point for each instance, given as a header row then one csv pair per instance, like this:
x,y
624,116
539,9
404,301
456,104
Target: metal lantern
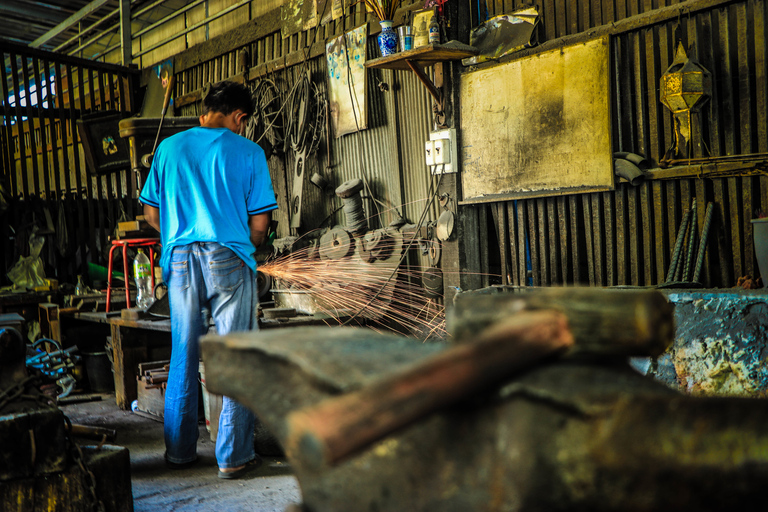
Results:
x,y
685,87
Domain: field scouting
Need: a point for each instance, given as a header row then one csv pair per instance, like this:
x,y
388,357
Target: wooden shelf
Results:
x,y
422,56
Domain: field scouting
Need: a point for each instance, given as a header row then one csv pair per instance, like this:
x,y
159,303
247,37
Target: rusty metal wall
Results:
x,y
43,164
625,237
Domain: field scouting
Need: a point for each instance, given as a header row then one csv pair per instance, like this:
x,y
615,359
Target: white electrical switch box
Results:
x,y
429,152
445,156
442,151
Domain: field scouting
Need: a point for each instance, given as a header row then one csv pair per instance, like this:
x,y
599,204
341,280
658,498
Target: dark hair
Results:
x,y
226,97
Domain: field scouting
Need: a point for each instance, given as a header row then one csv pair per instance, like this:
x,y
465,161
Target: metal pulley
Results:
x,y
376,245
432,280
445,225
337,243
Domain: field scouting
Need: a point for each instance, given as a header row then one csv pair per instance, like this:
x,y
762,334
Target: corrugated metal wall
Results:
x,y
43,164
626,237
388,155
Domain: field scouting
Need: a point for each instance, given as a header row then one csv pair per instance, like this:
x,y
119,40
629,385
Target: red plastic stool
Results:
x,y
125,244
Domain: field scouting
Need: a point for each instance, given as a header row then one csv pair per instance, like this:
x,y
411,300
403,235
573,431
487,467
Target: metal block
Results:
x,y
38,445
69,489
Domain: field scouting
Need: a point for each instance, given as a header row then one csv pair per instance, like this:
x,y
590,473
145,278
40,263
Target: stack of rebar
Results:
x,y
687,257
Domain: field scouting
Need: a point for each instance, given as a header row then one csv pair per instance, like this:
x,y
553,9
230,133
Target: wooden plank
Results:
x,y
706,50
543,241
44,136
588,235
550,20
648,238
661,249
533,241
747,194
87,182
566,272
608,9
126,356
609,218
522,251
674,217
735,218
721,230
56,168
482,227
578,255
10,166
746,99
664,118
573,17
32,138
598,237
561,21
758,17
553,243
622,235
633,211
596,13
652,114
585,17
639,94
514,266
503,231
726,77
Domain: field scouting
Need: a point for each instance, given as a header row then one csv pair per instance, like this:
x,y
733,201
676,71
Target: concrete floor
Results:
x,y
158,489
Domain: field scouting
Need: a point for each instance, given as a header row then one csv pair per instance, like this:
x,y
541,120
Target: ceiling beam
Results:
x,y
64,25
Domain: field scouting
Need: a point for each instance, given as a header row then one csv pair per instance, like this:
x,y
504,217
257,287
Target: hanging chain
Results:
x,y
94,502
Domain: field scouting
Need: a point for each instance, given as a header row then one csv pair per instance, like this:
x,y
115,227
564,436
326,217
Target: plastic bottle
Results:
x,y
80,288
434,31
141,275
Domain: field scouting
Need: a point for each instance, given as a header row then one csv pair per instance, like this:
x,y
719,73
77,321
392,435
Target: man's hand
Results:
x,y
152,216
258,224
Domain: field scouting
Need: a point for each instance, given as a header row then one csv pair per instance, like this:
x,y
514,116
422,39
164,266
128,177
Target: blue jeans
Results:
x,y
206,276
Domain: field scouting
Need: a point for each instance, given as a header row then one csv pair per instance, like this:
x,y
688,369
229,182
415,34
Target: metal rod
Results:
x,y
194,27
64,25
678,247
691,245
703,244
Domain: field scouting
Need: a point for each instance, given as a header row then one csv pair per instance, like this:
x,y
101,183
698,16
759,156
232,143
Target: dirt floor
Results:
x,y
158,489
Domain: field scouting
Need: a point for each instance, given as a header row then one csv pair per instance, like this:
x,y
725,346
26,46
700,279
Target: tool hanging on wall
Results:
x,y
146,160
267,124
303,133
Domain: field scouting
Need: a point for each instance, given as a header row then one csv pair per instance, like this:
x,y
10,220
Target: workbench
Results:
x,y
149,339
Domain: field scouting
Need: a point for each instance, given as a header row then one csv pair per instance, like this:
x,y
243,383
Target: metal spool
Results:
x,y
349,192
376,245
337,243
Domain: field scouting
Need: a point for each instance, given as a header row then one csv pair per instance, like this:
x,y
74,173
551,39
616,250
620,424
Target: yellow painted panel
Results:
x,y
538,126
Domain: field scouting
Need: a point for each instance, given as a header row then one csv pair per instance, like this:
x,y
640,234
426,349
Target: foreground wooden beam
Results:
x,y
332,430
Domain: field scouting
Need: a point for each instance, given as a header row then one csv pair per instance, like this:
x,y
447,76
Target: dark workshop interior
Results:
x,y
518,261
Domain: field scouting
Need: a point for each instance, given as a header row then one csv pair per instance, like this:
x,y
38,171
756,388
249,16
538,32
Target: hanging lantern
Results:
x,y
685,87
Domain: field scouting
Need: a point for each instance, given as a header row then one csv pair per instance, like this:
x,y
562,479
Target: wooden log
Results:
x,y
335,428
604,322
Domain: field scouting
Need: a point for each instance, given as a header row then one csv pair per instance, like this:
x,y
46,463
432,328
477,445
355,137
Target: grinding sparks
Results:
x,y
381,292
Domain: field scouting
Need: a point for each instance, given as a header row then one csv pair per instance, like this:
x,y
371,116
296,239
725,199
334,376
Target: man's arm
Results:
x,y
152,216
258,224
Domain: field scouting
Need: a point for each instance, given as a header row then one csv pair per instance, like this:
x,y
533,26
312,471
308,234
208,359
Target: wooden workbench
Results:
x,y
132,341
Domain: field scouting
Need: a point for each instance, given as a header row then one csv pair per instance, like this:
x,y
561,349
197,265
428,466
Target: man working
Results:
x,y
210,195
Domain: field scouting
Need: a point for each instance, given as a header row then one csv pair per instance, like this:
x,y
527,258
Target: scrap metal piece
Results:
x,y
505,34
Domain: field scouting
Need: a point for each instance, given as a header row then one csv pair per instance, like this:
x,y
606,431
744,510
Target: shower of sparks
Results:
x,y
349,287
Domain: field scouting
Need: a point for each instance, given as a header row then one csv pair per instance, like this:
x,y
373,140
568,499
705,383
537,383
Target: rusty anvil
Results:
x,y
489,422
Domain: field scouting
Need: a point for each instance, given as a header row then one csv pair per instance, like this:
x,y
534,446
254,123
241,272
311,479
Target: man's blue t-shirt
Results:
x,y
206,182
